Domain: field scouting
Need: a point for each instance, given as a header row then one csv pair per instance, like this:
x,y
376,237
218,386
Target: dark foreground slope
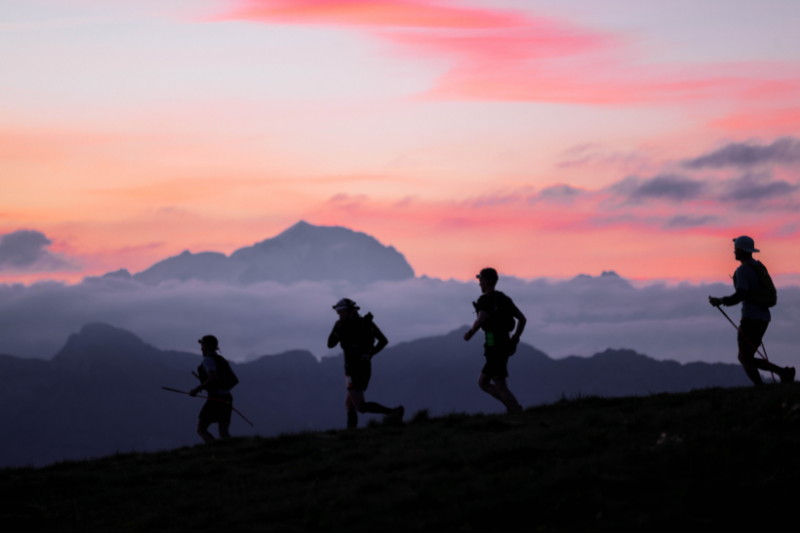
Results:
x,y
715,457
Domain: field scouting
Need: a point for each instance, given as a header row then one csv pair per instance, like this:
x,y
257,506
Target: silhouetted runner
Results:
x,y
217,378
753,287
496,314
357,335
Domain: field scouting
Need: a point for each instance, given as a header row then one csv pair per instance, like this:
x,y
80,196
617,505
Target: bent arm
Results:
x,y
333,338
382,340
521,322
735,298
212,378
476,326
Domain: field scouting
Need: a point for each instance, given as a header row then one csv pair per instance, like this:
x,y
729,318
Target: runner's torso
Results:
x,y
211,364
746,279
357,337
491,303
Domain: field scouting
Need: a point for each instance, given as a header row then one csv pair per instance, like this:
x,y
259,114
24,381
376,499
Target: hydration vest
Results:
x,y
358,336
225,379
766,295
500,319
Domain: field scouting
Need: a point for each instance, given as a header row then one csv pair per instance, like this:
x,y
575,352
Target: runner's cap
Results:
x,y
489,274
210,341
345,303
745,244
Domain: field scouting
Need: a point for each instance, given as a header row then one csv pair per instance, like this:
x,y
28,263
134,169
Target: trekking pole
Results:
x,y
763,356
213,400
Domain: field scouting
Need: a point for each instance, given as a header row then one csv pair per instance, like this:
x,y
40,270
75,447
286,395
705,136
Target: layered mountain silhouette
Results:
x,y
102,392
303,252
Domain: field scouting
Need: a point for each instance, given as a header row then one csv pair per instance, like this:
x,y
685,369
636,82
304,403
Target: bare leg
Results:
x,y
508,399
375,407
202,430
223,429
486,385
355,399
750,367
352,401
355,403
769,367
363,406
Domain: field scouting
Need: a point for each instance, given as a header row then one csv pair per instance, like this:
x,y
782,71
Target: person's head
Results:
x,y
743,248
345,306
487,278
209,344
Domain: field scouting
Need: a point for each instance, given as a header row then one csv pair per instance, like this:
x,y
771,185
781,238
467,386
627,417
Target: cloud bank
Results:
x,y
783,151
580,316
26,251
751,189
670,205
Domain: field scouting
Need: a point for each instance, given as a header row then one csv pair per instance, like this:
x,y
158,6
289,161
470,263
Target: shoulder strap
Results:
x,y
760,271
766,294
752,267
222,364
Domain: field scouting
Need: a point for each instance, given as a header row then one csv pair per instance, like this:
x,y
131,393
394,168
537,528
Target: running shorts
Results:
x,y
496,361
752,330
214,411
357,376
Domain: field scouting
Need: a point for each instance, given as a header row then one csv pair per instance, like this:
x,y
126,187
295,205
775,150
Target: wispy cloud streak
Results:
x,y
372,13
783,151
510,55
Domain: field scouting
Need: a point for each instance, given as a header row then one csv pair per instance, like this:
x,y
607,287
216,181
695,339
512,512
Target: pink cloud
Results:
x,y
770,122
372,13
603,80
509,55
445,239
666,205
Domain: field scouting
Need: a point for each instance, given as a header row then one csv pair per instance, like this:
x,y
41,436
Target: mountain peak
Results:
x,y
303,252
606,277
321,253
301,225
305,232
100,340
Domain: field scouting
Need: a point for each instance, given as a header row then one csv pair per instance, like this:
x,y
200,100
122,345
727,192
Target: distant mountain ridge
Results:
x,y
102,392
304,252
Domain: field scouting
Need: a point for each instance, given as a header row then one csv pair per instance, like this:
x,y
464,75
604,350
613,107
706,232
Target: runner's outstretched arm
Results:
x,y
735,298
727,301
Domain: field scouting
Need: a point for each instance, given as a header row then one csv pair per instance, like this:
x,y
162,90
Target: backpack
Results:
x,y
224,373
501,319
766,295
365,338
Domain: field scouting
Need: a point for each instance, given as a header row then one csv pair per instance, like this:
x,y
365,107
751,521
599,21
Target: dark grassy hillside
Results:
x,y
669,461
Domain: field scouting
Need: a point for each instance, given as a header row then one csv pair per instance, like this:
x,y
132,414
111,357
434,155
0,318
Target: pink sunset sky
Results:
x,y
543,137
